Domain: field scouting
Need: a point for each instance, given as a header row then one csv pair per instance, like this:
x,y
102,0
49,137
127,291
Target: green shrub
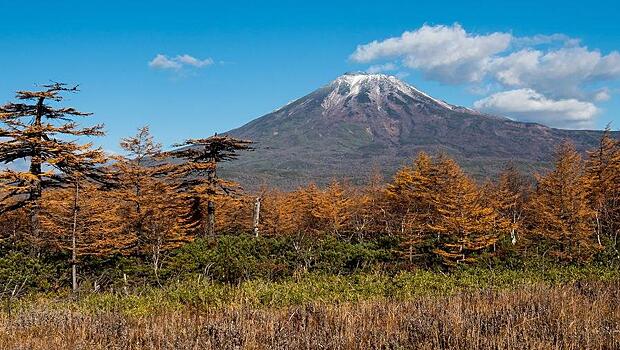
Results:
x,y
238,259
35,273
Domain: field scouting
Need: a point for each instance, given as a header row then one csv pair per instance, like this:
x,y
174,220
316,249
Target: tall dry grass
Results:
x,y
572,316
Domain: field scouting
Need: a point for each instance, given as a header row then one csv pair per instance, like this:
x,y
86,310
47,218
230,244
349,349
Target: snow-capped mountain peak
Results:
x,y
361,119
376,90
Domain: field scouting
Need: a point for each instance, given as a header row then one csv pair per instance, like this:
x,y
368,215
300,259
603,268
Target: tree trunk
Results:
x,y
138,211
74,238
34,220
513,231
125,289
598,229
156,259
256,218
212,178
210,218
35,170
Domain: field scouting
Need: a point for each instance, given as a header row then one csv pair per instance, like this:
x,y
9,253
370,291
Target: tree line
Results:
x,y
74,198
569,214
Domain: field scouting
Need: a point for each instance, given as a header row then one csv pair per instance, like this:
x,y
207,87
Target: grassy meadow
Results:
x,y
551,308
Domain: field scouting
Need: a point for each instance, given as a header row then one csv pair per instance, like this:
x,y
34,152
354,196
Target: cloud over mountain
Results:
x,y
531,106
444,53
564,72
556,78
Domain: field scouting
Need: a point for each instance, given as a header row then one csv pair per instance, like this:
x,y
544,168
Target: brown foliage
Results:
x,y
152,207
434,200
234,213
579,316
436,209
432,206
34,133
197,179
410,196
603,185
509,197
464,224
559,214
99,224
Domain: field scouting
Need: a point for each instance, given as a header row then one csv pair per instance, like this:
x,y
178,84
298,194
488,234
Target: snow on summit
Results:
x,y
375,89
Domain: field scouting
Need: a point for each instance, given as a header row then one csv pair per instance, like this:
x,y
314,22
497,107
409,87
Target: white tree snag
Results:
x,y
256,218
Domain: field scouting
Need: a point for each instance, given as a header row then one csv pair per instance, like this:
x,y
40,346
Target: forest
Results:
x,y
77,222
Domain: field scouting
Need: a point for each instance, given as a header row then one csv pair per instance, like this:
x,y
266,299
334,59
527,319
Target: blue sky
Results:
x,y
552,59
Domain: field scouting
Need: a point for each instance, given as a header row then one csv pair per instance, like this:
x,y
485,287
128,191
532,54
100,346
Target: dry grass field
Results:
x,y
578,315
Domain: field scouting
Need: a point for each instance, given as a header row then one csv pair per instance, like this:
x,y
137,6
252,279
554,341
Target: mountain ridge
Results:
x,y
362,120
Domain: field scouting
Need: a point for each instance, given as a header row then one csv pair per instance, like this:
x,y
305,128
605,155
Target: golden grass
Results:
x,y
571,316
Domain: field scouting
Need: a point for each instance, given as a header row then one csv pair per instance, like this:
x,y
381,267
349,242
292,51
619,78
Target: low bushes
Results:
x,y
236,259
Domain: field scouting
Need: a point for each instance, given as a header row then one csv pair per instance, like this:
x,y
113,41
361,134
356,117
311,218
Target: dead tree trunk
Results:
x,y
74,238
256,218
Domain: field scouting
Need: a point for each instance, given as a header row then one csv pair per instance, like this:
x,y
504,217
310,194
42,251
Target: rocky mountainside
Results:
x,y
363,121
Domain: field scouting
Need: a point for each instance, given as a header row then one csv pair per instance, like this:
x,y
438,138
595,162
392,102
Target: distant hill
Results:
x,y
360,121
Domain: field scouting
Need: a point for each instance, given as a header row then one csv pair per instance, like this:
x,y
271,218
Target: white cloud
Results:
x,y
162,62
449,54
541,39
552,74
192,61
444,53
176,63
608,67
560,73
531,106
601,95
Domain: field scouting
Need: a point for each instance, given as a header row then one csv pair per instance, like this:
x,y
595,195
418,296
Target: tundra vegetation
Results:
x,y
154,250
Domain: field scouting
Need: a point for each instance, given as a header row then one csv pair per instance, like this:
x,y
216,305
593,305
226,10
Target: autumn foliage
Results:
x,y
148,202
441,214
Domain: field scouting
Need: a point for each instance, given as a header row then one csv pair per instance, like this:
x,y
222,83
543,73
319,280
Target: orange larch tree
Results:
x,y
276,217
465,225
410,197
197,178
152,207
509,196
46,138
139,174
234,213
297,208
603,183
84,220
43,136
560,218
366,209
332,209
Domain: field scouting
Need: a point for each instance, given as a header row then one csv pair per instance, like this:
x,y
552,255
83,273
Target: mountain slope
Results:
x,y
360,121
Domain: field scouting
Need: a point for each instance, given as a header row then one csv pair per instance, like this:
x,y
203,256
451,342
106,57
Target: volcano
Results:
x,y
363,121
